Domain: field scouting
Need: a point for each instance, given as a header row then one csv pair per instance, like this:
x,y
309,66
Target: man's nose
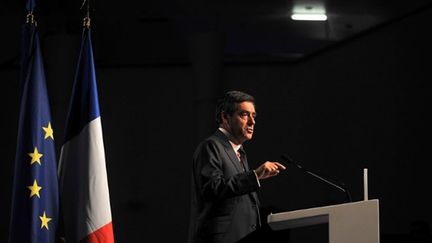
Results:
x,y
251,120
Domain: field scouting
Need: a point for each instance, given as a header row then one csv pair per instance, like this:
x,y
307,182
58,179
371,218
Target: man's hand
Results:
x,y
269,169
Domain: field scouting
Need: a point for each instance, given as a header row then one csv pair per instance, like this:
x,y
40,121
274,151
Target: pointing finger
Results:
x,y
280,166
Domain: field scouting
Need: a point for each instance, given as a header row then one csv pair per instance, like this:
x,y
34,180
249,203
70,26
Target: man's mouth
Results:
x,y
249,130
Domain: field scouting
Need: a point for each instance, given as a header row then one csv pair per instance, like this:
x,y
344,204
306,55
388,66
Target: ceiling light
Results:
x,y
309,17
309,11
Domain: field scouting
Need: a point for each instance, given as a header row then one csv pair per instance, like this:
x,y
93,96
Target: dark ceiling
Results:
x,y
134,32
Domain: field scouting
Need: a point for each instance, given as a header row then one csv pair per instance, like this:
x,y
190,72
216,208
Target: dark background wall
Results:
x,y
363,103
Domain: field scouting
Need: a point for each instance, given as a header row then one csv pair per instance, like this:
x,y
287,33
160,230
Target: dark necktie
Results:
x,y
242,157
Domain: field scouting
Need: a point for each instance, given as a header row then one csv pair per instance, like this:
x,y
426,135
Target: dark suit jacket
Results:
x,y
225,206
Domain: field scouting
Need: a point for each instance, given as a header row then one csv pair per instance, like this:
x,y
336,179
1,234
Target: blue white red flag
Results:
x,y
84,190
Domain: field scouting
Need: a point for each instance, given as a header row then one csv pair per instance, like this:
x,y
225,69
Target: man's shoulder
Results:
x,y
214,138
217,139
211,148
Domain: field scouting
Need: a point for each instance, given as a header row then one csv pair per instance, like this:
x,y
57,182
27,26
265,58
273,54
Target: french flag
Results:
x,y
84,193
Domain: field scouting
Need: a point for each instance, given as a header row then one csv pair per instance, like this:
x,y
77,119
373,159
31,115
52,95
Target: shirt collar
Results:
x,y
236,147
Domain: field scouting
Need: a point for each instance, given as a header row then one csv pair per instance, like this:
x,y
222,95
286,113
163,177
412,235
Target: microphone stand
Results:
x,y
341,186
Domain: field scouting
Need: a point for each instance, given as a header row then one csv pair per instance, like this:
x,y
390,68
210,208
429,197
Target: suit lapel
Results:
x,y
229,150
234,159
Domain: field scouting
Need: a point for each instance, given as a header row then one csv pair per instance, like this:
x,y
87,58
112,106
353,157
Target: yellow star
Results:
x,y
35,156
49,132
34,189
45,221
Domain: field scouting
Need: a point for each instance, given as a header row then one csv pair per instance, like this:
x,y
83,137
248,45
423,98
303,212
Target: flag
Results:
x,y
85,201
35,197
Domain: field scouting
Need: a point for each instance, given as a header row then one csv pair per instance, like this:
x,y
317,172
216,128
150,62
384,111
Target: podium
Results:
x,y
355,222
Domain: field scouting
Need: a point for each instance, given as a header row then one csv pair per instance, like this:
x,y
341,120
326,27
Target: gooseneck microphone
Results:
x,y
339,185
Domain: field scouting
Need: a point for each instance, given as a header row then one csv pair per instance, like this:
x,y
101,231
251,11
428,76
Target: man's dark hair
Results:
x,y
229,103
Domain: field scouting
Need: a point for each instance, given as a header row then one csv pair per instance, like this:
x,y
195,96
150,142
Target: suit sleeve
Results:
x,y
210,161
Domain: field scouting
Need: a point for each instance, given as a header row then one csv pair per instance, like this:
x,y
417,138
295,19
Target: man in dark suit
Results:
x,y
225,206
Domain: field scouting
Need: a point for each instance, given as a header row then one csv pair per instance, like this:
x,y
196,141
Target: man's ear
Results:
x,y
224,117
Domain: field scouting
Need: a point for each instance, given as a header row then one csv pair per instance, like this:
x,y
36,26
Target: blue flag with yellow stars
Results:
x,y
35,197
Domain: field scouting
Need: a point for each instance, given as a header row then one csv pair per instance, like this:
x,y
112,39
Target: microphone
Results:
x,y
339,185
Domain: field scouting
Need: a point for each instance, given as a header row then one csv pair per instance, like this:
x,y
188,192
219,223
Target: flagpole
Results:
x,y
86,20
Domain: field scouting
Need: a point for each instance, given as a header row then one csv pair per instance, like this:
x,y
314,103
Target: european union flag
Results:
x,y
35,202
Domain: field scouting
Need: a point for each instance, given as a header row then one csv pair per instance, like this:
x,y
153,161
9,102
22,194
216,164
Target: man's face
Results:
x,y
241,123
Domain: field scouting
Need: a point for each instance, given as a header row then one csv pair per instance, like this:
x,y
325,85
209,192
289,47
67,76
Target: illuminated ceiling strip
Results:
x,y
309,17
